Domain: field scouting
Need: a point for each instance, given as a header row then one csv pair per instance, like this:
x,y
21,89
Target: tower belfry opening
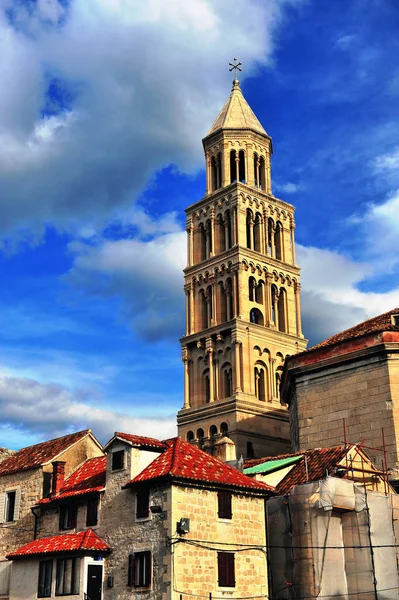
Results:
x,y
242,292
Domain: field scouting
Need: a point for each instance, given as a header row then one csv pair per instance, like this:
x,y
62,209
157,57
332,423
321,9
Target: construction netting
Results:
x,y
333,539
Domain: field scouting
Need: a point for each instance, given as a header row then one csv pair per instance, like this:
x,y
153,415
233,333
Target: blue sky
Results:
x,y
103,107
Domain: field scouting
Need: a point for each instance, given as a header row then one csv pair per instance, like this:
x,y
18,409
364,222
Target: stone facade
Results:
x,y
242,293
358,382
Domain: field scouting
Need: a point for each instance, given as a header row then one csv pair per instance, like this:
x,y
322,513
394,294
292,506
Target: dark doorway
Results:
x,y
94,582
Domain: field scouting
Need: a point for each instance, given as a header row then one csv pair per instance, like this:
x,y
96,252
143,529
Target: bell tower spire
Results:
x,y
242,292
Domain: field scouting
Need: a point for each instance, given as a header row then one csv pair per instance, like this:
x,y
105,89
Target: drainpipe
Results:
x,y
36,515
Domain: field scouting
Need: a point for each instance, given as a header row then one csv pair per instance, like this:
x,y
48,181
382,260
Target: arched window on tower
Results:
x,y
278,240
250,231
257,232
220,241
256,317
226,383
200,437
233,166
228,230
209,306
208,238
224,429
281,307
260,374
203,312
262,173
274,303
222,304
213,431
201,236
213,174
251,288
259,293
241,166
256,172
219,170
228,291
278,382
270,236
190,436
207,387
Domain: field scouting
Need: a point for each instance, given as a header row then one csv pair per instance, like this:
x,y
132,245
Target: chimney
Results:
x,y
58,476
225,449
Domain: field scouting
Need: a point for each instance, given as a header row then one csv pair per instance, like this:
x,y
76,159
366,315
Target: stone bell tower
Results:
x,y
242,291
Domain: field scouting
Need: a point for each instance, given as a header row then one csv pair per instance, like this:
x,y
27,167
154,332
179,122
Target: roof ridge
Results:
x,y
55,439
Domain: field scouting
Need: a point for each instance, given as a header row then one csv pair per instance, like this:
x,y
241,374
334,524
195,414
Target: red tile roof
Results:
x,y
88,478
33,457
314,467
139,440
376,324
69,542
184,462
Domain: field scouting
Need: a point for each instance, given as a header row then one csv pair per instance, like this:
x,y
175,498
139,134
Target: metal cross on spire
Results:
x,y
236,66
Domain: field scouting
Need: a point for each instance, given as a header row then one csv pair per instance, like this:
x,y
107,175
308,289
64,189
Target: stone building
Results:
x,y
153,520
27,476
242,293
351,378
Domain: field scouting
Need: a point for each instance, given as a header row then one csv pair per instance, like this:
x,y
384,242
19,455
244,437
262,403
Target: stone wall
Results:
x,y
195,568
364,392
20,532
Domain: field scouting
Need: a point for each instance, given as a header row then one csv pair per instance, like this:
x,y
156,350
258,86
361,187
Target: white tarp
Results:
x,y
5,572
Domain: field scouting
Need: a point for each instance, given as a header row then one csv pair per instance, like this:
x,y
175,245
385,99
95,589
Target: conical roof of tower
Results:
x,y
236,114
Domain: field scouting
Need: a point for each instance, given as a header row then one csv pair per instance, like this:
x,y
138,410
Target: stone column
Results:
x,y
234,227
188,315
292,230
192,307
214,320
239,294
218,171
212,246
237,366
235,293
250,166
190,245
208,300
272,241
268,183
228,293
258,172
267,299
273,378
265,228
209,351
185,359
216,379
275,306
297,289
208,173
251,233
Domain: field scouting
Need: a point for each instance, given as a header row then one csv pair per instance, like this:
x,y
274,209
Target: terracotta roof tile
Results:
x,y
313,467
376,324
88,478
183,461
33,457
69,542
140,440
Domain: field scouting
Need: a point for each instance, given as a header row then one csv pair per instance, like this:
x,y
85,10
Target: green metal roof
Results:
x,y
272,465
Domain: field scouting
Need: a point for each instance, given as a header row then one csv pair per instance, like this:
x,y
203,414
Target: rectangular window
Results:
x,y
92,512
140,569
118,460
226,574
142,504
224,505
10,506
68,515
68,575
45,576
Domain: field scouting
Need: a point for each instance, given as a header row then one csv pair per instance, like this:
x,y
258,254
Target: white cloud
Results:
x,y
144,79
388,161
289,187
56,409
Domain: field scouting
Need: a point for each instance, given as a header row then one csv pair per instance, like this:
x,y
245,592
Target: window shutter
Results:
x,y
231,576
147,573
226,571
221,569
17,505
130,579
2,504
